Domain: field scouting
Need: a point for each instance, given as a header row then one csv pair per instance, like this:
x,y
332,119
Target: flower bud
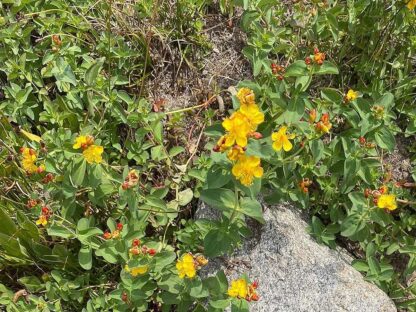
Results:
x,y
257,135
124,297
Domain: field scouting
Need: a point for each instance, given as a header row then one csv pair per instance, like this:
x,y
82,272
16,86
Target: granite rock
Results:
x,y
295,273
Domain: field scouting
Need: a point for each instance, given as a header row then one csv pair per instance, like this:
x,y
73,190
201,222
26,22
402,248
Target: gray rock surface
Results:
x,y
295,273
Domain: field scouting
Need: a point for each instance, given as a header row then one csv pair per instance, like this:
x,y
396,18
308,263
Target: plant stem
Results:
x,y
236,204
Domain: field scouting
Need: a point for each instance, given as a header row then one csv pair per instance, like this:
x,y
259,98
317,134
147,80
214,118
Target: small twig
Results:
x,y
196,146
206,103
406,202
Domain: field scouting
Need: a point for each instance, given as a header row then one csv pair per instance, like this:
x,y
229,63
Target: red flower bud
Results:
x,y
255,297
255,284
125,186
144,249
124,297
362,140
152,252
136,242
257,135
315,50
119,226
107,235
308,60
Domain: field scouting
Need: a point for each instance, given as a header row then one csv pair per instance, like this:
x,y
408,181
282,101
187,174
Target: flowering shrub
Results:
x,y
97,198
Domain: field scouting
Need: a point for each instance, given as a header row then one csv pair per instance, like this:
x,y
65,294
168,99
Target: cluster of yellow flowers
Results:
x,y
29,159
240,126
411,4
189,264
92,153
241,289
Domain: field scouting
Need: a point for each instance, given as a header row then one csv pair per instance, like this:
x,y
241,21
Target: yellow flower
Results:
x,y
43,220
29,166
29,154
186,266
281,139
238,288
140,270
238,129
220,147
253,114
247,168
246,97
411,4
83,142
324,125
29,159
387,201
93,153
235,152
351,95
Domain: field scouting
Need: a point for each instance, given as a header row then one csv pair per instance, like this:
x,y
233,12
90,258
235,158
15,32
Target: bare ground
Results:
x,y
194,81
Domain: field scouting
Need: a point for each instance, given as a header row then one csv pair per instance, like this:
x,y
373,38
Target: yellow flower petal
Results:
x,y
93,153
287,146
387,201
79,141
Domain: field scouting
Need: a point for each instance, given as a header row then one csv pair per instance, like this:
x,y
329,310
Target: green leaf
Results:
x,y
297,69
302,83
85,257
222,199
218,176
92,73
78,168
176,150
31,283
327,68
317,148
163,259
220,304
59,231
251,208
385,139
196,288
185,197
217,243
7,226
156,202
